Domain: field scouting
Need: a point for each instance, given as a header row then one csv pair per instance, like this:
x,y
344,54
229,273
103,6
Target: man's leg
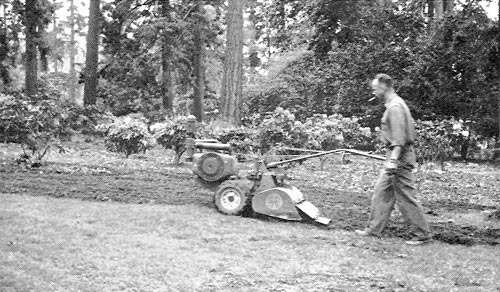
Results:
x,y
404,191
382,204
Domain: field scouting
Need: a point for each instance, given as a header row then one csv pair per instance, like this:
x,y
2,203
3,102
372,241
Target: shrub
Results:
x,y
336,131
86,119
278,128
321,132
464,139
325,133
171,134
34,124
127,135
241,139
439,140
433,143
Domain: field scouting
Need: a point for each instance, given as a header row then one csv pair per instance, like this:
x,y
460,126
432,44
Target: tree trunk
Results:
x,y
42,44
72,76
166,61
15,47
498,105
31,58
430,9
54,18
91,60
498,76
4,50
464,149
448,10
44,50
268,38
448,6
253,56
198,66
233,64
438,8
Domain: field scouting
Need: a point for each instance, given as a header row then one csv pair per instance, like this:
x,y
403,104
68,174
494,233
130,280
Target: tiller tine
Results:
x,y
312,212
285,203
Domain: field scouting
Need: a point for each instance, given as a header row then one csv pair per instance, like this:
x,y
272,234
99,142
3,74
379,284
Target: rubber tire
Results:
x,y
241,188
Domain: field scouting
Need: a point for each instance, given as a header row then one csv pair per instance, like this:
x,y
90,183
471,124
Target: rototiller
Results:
x,y
262,190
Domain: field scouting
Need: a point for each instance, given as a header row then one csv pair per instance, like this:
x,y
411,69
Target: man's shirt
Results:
x,y
398,129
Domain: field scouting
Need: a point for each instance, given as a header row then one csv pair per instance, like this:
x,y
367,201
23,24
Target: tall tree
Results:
x,y
448,6
4,48
166,58
438,9
44,13
233,63
333,21
43,49
430,8
253,50
91,60
31,55
56,38
72,52
15,29
498,81
198,64
54,34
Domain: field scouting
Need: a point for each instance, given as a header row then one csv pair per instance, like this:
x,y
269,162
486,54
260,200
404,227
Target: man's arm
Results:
x,y
392,164
397,124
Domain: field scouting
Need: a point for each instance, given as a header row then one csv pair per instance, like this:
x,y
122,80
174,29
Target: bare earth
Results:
x,y
154,229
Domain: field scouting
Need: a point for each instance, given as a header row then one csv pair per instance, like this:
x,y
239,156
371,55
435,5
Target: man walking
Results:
x,y
396,181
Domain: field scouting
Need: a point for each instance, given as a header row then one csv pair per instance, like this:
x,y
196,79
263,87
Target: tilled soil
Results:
x,y
348,209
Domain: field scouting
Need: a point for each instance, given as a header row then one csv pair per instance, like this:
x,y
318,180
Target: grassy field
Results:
x,y
49,244
90,220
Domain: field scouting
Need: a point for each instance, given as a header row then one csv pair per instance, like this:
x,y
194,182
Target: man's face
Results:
x,y
378,89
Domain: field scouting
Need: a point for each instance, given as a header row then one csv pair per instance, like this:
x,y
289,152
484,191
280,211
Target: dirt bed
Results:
x,y
348,209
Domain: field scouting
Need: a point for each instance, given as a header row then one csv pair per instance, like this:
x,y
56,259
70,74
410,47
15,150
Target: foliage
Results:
x,y
85,119
454,68
321,132
242,139
433,143
333,21
139,35
444,69
335,131
34,124
275,128
439,140
171,134
127,135
122,100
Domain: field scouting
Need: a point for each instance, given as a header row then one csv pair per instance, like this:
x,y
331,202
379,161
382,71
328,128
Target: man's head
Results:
x,y
382,84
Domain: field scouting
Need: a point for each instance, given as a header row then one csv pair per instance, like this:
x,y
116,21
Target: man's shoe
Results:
x,y
420,240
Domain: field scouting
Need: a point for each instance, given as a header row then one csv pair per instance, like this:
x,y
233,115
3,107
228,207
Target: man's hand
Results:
x,y
391,166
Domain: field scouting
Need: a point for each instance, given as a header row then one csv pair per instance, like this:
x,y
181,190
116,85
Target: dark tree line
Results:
x,y
213,58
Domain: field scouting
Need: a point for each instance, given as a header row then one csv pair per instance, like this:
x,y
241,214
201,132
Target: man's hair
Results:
x,y
385,79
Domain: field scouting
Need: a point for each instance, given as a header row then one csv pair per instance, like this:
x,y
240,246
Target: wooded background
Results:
x,y
230,59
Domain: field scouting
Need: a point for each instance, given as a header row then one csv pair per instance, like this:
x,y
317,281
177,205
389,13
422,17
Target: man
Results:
x,y
396,181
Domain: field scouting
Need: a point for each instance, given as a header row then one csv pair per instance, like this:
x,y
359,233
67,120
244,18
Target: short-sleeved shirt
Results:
x,y
398,129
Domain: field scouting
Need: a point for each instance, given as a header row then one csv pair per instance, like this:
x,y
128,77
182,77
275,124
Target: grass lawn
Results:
x,y
58,244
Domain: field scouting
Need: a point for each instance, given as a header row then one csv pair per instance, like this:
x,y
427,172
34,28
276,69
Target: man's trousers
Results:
x,y
396,188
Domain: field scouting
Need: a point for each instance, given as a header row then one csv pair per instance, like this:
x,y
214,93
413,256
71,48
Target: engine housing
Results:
x,y
212,166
